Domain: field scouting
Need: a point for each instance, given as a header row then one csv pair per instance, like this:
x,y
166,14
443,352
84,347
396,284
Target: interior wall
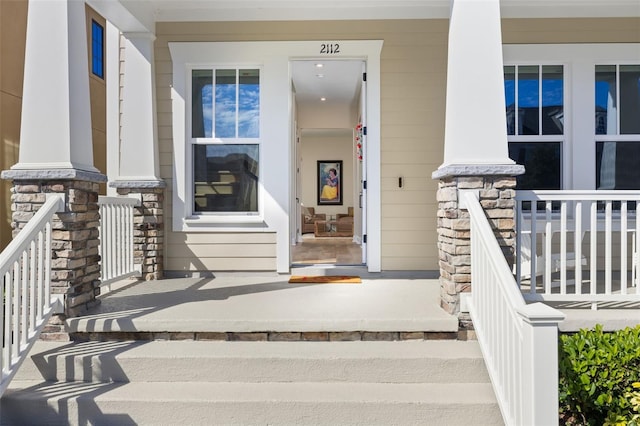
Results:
x,y
330,147
13,31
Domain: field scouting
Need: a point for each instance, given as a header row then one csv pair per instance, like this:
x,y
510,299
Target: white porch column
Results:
x,y
56,116
139,159
475,129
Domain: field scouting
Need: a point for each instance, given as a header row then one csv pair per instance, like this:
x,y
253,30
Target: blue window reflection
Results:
x,y
225,104
552,100
249,102
534,99
528,100
97,49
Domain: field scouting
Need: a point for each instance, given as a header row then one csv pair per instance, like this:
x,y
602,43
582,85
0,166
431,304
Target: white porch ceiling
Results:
x,y
339,83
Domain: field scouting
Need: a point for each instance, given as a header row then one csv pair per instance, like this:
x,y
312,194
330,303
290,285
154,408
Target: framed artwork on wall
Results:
x,y
330,182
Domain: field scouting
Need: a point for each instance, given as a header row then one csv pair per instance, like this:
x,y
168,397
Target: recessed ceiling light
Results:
x,y
323,99
319,65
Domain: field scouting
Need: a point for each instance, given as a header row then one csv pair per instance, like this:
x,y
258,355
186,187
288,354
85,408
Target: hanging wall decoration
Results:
x,y
359,141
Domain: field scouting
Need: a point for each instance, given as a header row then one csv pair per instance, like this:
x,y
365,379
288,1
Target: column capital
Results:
x,y
477,170
53,174
138,184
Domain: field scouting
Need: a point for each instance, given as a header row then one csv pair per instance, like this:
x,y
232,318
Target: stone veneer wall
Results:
x,y
75,239
148,231
496,195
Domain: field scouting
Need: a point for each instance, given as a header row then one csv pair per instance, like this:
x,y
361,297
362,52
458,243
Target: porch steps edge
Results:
x,y
166,361
198,403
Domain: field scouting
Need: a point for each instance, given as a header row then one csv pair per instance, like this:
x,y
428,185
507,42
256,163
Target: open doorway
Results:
x,y
328,116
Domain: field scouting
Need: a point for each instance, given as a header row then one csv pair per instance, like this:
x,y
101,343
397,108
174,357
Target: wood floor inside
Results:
x,y
327,250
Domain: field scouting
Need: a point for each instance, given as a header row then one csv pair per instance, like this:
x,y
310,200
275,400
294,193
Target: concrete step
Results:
x,y
188,361
198,403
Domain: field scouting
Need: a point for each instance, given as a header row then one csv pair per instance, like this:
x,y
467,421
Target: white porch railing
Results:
x,y
116,239
26,304
518,341
579,246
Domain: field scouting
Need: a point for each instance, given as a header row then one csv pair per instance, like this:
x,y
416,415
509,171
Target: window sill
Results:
x,y
222,224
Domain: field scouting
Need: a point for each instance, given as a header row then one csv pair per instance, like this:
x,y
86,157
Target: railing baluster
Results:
x,y
563,247
593,261
607,248
15,338
577,245
548,234
623,247
32,288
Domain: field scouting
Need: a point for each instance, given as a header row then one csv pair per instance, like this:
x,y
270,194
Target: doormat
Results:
x,y
324,279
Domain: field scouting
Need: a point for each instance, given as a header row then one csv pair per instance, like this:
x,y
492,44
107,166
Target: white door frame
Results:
x,y
367,51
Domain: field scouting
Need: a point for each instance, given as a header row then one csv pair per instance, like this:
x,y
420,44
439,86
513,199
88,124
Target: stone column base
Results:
x,y
148,225
75,261
496,190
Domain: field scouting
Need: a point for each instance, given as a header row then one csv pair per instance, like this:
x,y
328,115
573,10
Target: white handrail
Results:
x,y
116,239
518,341
25,273
558,263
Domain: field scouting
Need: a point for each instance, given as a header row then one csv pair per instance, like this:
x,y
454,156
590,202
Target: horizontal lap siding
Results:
x,y
413,97
413,80
561,30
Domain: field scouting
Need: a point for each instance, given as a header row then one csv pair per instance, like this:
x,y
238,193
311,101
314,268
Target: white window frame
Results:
x,y
579,62
219,217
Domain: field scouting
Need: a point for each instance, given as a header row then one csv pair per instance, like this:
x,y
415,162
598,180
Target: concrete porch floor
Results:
x,y
243,303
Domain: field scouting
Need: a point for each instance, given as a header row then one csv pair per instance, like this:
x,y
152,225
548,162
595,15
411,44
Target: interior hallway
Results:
x,y
326,250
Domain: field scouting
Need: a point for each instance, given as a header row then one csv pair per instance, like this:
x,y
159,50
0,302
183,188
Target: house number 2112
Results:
x,y
329,49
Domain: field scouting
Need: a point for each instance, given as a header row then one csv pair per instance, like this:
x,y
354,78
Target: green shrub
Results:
x,y
597,375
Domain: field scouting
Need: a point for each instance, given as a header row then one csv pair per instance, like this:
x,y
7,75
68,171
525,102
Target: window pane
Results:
x,y
606,100
617,165
225,178
249,104
528,100
225,103
201,103
629,99
542,162
510,98
552,100
97,49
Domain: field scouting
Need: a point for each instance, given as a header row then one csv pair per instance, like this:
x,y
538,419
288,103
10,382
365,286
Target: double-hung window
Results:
x,y
225,141
534,96
617,126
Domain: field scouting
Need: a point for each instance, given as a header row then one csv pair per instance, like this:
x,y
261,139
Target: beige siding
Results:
x,y
413,82
592,30
13,25
413,66
98,94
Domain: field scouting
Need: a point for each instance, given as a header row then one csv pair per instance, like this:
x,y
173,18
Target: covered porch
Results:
x,y
265,307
